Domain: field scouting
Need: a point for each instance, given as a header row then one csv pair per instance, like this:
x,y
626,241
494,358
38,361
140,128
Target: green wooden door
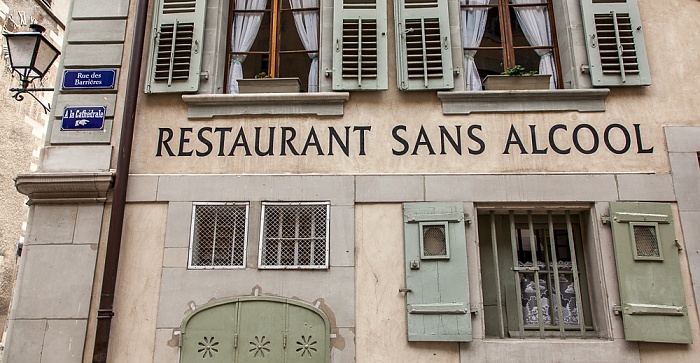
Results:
x,y
210,335
648,271
437,296
255,330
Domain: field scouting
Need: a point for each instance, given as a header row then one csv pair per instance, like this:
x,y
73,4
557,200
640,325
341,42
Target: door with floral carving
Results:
x,y
255,330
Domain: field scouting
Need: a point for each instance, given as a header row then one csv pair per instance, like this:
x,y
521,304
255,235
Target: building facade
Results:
x,y
23,131
390,205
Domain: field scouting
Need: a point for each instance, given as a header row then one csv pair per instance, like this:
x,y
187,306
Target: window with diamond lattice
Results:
x,y
294,235
218,235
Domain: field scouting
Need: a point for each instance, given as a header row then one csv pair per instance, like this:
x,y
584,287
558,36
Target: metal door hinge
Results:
x,y
617,309
605,219
678,245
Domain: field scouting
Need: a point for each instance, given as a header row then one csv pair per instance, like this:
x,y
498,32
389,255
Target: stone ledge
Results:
x,y
466,102
319,103
52,188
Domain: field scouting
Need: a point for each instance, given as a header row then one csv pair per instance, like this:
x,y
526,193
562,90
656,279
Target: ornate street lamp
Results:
x,y
31,56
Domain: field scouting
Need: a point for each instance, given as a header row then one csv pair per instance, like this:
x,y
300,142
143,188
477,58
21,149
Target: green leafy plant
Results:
x,y
262,75
518,70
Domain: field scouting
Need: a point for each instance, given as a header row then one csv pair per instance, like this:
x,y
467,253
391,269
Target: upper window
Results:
x,y
540,274
502,34
218,238
273,39
294,235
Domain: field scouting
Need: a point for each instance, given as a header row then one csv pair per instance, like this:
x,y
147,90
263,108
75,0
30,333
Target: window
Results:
x,y
219,234
500,34
294,235
276,38
540,268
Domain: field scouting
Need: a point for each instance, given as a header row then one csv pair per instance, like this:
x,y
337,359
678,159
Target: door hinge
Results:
x,y
235,340
605,219
617,309
678,246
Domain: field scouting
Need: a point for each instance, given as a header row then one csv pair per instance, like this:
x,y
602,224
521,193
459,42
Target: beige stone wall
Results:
x,y
22,132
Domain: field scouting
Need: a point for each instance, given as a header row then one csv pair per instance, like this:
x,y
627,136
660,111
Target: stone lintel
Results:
x,y
53,188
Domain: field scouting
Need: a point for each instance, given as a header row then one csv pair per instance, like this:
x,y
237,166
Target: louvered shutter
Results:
x,y
615,43
652,296
359,45
176,49
423,55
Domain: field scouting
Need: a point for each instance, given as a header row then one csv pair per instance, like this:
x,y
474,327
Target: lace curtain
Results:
x,y
473,25
535,24
244,30
307,27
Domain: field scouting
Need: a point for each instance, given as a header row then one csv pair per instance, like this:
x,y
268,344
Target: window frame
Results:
x,y
263,237
274,48
506,28
191,246
510,308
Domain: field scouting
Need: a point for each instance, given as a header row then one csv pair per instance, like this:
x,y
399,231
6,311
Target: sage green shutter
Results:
x,y
176,46
359,45
423,48
255,330
437,284
615,43
648,271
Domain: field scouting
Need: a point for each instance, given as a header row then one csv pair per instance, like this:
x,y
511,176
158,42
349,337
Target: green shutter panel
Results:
x,y
615,43
423,48
648,271
359,45
210,335
176,46
437,284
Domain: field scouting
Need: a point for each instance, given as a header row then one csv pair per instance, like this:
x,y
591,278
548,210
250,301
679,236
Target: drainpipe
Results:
x,y
116,220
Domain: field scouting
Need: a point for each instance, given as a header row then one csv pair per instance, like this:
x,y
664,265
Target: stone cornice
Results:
x,y
53,188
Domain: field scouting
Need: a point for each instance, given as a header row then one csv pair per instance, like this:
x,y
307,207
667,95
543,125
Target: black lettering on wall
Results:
x,y
625,133
638,135
533,137
514,138
344,145
401,140
222,138
287,140
205,141
163,141
594,133
270,143
240,141
312,140
184,140
553,144
423,140
456,145
362,130
478,140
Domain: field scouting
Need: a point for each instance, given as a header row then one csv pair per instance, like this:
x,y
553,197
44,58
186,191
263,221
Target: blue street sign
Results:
x,y
83,118
89,79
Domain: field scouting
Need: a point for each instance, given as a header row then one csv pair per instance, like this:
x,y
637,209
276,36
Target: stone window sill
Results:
x,y
319,103
465,102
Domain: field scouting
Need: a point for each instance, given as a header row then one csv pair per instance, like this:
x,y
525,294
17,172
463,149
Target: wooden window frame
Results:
x,y
274,48
507,46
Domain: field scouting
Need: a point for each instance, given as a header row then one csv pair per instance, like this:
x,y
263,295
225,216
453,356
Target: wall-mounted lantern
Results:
x,y
31,56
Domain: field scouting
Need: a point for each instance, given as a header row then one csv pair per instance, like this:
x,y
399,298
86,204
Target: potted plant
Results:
x,y
264,83
517,78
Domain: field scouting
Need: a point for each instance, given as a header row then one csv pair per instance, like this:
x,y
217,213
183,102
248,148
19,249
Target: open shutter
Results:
x,y
359,45
648,271
176,46
423,55
615,43
437,284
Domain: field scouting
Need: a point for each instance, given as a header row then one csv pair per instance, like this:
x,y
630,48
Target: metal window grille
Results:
x,y
646,242
219,234
545,273
294,235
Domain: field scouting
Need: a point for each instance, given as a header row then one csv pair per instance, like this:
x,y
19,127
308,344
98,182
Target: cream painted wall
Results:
x,y
133,329
671,100
380,308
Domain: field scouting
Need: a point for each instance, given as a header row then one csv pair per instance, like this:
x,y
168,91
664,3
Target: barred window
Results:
x,y
219,234
294,235
540,272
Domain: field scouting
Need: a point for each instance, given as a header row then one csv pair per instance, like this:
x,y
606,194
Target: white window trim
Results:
x,y
245,236
295,267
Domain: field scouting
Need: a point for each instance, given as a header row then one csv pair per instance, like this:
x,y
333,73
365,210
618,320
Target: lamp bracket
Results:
x,y
19,95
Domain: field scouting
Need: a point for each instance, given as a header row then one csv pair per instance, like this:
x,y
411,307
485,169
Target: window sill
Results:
x,y
466,102
320,103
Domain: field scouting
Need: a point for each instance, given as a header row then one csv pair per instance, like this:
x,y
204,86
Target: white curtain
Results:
x,y
245,29
307,27
534,21
473,25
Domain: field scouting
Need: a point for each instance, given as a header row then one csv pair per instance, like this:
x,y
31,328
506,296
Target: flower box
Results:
x,y
269,85
500,82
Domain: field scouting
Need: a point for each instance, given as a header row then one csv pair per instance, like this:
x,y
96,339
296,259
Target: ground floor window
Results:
x,y
533,273
294,235
218,237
